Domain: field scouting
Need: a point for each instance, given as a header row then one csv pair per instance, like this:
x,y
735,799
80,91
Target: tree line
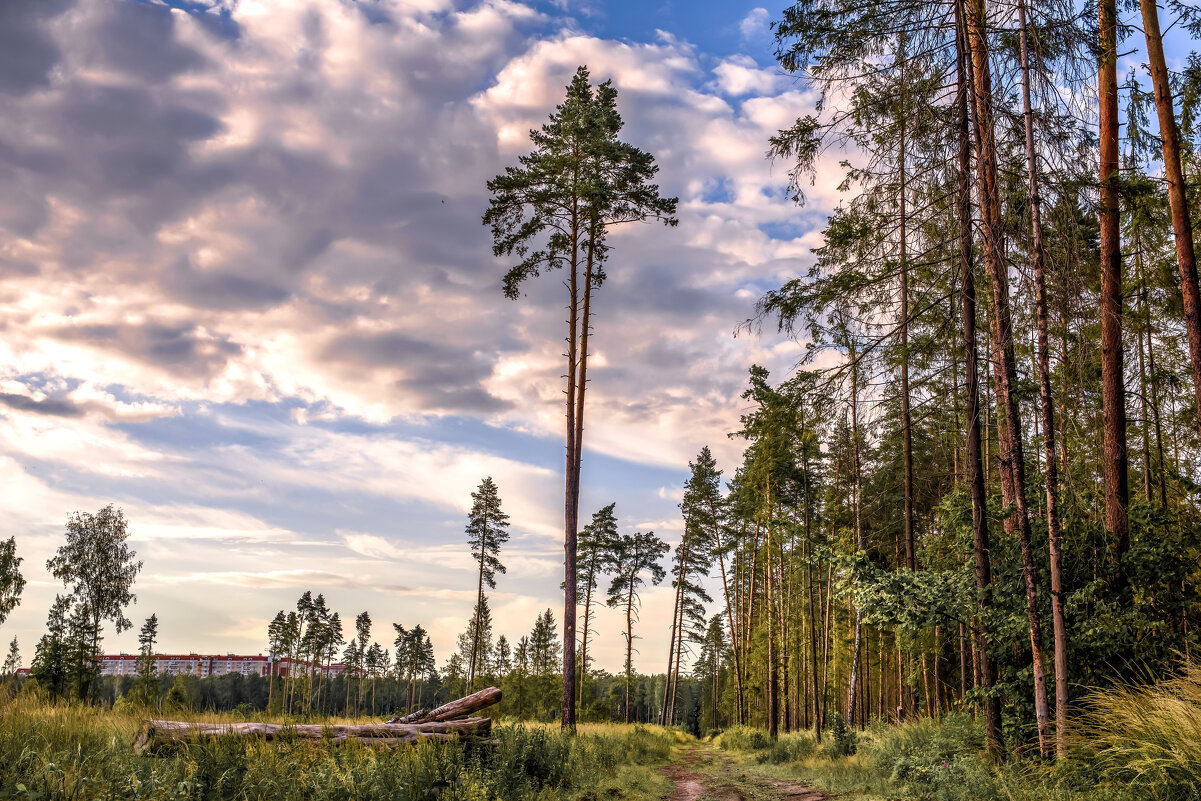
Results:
x,y
905,524
990,501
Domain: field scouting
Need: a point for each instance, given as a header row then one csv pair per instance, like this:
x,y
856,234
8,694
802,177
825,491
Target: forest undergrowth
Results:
x,y
1134,742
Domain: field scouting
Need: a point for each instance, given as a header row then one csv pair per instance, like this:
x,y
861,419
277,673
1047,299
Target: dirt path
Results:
x,y
719,779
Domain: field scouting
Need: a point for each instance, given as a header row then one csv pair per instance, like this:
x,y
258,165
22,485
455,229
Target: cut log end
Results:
x,y
456,709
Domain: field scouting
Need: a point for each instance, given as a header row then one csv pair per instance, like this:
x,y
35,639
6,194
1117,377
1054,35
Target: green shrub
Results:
x,y
929,758
842,741
744,738
791,747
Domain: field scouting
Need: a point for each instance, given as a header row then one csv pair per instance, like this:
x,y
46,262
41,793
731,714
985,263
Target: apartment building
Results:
x,y
205,665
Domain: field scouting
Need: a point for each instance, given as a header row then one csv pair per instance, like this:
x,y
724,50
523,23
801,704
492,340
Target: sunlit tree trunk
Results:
x,y
769,581
1182,226
725,590
860,541
974,461
1046,400
1113,392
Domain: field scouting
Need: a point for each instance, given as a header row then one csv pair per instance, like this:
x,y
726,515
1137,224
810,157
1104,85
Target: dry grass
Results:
x,y
1148,737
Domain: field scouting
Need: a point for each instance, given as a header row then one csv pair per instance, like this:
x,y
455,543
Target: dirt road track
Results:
x,y
721,784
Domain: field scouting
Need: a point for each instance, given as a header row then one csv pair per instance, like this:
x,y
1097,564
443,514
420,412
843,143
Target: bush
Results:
x,y
843,741
791,747
928,753
743,738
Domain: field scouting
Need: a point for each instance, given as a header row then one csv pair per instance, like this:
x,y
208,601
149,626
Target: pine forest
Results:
x,y
946,547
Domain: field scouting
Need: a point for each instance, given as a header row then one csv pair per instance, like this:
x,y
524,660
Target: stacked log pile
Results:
x,y
451,721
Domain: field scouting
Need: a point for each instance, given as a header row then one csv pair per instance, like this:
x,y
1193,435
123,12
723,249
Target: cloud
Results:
x,y
27,51
292,579
372,546
50,406
755,24
245,291
741,75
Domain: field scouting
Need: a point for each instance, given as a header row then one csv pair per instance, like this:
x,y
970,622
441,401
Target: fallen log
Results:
x,y
156,733
412,717
455,709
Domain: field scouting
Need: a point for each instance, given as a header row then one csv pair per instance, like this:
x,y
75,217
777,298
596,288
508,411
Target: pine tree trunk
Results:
x,y
629,644
577,382
906,415
773,689
1145,423
725,590
675,684
783,606
1113,392
906,428
1047,402
675,609
990,206
1182,226
750,611
1162,471
479,597
817,722
860,541
584,634
974,461
829,606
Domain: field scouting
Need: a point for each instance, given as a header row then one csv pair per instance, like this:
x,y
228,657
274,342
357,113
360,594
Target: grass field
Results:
x,y
1131,744
79,752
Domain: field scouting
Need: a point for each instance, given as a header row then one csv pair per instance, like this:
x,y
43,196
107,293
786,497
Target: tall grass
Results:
x,y
79,752
1148,737
925,760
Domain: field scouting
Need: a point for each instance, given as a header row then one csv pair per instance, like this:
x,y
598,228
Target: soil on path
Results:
x,y
721,783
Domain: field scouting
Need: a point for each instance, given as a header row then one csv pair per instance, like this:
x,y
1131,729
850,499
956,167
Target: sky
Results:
x,y
245,296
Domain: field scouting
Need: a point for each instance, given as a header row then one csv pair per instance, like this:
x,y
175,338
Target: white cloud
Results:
x,y
740,75
240,278
756,23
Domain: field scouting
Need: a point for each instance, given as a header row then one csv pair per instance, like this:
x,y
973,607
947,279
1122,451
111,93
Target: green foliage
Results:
x,y
99,567
843,741
928,752
743,738
784,749
579,180
11,580
182,693
50,659
636,554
